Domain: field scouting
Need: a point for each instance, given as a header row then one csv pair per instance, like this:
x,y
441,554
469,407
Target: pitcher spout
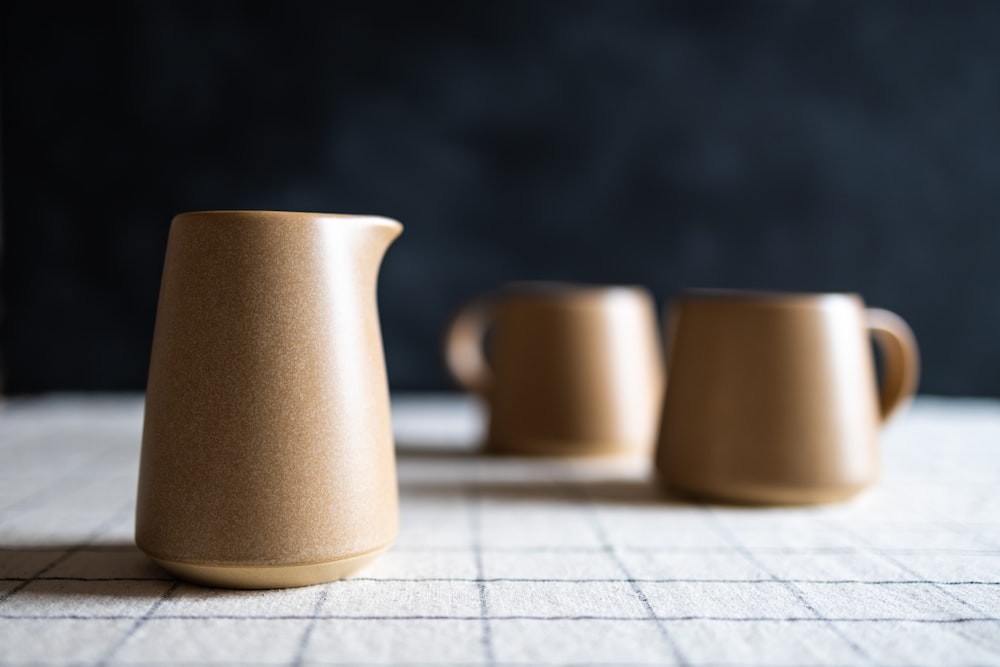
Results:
x,y
382,232
364,237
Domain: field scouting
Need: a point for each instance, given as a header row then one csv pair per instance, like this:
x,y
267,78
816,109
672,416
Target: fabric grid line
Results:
x,y
728,536
506,561
609,548
480,581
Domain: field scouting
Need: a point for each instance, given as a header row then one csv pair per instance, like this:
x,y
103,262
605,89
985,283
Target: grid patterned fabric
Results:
x,y
512,561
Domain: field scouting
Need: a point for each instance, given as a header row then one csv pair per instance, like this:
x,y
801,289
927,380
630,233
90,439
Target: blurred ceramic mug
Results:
x,y
773,398
267,452
566,370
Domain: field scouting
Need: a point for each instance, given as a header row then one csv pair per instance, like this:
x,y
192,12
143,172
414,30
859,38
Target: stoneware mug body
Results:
x,y
267,451
773,397
565,370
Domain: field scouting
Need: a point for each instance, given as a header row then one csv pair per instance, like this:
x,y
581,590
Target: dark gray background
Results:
x,y
801,145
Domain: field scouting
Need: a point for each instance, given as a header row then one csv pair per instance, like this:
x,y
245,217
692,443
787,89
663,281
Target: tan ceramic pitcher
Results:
x,y
566,370
267,452
772,397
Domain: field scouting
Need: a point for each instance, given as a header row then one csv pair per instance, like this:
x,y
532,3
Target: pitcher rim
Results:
x,y
265,213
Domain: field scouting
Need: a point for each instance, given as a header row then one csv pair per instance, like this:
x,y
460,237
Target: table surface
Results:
x,y
514,561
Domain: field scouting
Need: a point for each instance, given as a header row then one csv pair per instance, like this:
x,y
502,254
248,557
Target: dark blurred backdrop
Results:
x,y
790,145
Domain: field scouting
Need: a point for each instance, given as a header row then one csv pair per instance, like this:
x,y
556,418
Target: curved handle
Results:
x,y
464,346
901,359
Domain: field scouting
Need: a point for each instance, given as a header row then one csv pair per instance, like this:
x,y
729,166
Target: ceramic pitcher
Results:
x,y
267,452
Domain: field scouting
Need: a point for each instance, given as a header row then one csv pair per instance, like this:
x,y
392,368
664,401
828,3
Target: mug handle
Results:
x,y
901,358
464,346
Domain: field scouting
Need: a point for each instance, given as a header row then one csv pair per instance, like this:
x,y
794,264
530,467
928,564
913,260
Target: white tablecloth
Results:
x,y
512,561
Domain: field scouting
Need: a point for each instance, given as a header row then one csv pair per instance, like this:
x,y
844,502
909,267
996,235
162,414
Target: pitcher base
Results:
x,y
276,576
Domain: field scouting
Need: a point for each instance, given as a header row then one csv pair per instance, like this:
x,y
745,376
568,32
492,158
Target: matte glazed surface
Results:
x,y
267,439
